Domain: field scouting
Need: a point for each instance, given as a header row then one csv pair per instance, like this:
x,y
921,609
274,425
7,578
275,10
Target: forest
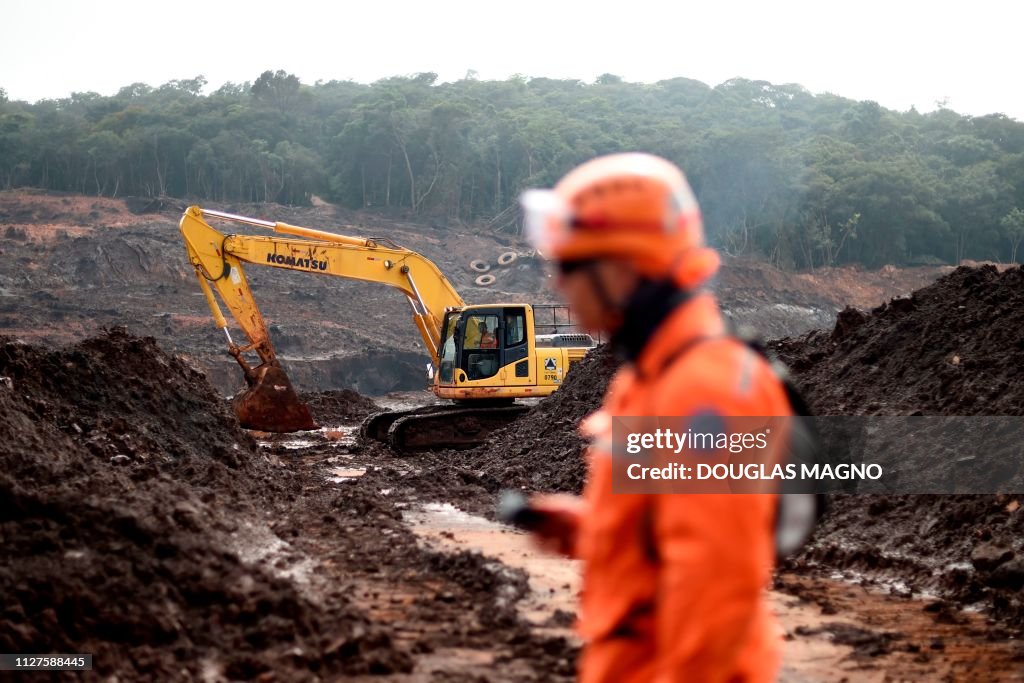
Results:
x,y
802,180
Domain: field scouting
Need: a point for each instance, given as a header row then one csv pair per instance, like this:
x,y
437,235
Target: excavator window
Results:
x,y
449,354
515,327
480,346
481,332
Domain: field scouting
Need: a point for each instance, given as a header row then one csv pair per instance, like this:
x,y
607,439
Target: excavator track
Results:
x,y
376,426
438,427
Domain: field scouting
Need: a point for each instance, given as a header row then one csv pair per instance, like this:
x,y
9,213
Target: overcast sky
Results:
x,y
895,52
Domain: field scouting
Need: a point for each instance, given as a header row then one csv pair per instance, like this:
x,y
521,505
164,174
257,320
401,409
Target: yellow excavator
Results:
x,y
483,357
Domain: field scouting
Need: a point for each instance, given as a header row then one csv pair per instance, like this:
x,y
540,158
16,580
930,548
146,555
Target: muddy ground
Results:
x,y
140,524
953,348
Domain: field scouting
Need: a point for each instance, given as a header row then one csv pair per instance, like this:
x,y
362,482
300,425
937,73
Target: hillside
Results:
x,y
83,263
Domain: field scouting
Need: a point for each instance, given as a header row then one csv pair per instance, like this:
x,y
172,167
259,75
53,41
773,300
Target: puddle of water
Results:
x,y
344,474
405,400
291,444
331,437
258,545
881,584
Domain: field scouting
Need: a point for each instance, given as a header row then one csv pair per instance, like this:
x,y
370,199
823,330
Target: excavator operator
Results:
x,y
673,584
487,338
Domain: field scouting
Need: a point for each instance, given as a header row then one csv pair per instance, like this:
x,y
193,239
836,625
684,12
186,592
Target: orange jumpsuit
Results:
x,y
673,585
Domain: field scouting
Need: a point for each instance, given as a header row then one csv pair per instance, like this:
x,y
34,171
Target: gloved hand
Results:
x,y
558,518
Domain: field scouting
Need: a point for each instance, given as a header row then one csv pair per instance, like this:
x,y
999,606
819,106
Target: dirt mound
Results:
x,y
124,482
953,348
338,406
120,395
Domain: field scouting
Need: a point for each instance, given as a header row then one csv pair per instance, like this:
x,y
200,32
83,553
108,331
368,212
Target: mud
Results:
x,y
140,524
455,612
953,348
543,450
835,631
137,522
339,406
839,631
123,482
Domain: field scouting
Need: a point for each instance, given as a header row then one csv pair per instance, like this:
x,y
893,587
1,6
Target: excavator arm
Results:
x,y
218,258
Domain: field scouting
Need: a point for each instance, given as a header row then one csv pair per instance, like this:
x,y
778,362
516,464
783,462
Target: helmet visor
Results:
x,y
545,220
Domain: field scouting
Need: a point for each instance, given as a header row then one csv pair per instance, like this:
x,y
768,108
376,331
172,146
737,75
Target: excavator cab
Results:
x,y
482,346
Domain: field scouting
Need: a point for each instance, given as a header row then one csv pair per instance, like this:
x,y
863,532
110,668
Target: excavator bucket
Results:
x,y
270,404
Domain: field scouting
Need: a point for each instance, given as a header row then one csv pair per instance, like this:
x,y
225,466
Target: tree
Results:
x,y
276,88
1013,225
105,150
189,86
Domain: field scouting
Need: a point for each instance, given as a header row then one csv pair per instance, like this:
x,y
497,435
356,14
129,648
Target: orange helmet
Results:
x,y
632,206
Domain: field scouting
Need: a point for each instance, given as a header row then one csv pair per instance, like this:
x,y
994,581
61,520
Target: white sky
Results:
x,y
899,53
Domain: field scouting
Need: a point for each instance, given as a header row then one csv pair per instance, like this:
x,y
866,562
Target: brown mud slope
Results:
x,y
338,406
542,450
953,348
140,524
121,471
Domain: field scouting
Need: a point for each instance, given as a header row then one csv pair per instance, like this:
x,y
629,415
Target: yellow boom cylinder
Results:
x,y
287,229
218,317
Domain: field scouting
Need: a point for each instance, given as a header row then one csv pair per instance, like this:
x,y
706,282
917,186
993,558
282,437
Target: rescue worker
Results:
x,y
673,584
487,338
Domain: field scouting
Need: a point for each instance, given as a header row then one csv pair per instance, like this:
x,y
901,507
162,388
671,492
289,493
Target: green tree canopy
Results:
x,y
800,179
